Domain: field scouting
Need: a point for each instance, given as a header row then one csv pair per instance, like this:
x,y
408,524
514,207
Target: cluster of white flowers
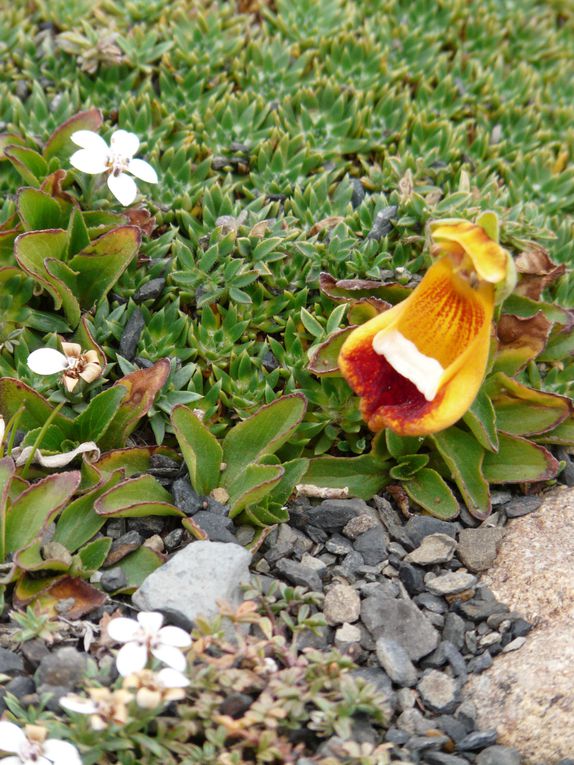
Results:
x,y
31,747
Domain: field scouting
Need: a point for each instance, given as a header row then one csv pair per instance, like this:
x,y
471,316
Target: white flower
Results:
x,y
145,636
103,706
155,688
72,363
118,159
30,747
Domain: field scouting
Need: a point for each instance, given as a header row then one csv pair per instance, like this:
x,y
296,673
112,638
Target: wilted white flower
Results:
x,y
31,747
147,636
103,706
155,688
96,157
72,363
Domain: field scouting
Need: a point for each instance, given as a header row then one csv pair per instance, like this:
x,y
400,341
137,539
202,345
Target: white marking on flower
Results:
x,y
423,371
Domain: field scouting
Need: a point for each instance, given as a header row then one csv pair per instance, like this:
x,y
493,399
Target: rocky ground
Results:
x,y
437,615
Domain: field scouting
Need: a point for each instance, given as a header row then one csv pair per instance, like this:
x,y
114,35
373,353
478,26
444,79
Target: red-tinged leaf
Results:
x,y
429,490
142,386
60,143
50,591
323,360
31,559
137,566
136,498
15,394
519,461
37,506
481,419
103,261
362,476
201,450
9,139
562,435
342,290
519,341
31,165
7,469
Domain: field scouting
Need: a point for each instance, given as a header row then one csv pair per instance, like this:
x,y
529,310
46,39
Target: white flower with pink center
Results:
x,y
31,747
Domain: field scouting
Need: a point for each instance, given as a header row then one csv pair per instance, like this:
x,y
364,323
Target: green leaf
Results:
x,y
262,433
562,435
102,262
93,422
93,555
399,446
201,451
310,323
362,476
464,457
488,221
78,236
523,411
7,140
7,469
51,441
519,461
15,394
38,210
481,420
323,357
137,566
294,470
37,506
136,498
408,465
251,485
31,559
431,492
31,165
60,143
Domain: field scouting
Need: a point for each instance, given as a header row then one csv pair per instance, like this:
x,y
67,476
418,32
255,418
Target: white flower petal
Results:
x,y
47,361
124,144
171,678
87,139
122,629
10,760
11,737
132,657
37,761
61,752
402,354
142,170
171,656
123,188
174,636
78,704
151,621
91,162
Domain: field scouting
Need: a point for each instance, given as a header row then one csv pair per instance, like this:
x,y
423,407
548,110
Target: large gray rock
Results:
x,y
192,582
401,621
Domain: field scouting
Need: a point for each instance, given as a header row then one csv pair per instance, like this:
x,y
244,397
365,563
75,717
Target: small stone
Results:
x,y
396,736
351,564
146,527
315,563
421,526
480,663
477,548
520,628
150,290
499,755
520,506
396,662
478,739
454,629
281,543
413,722
514,645
342,604
490,639
173,539
401,621
333,514
20,686
131,335
113,579
500,497
454,729
185,498
480,610
338,545
431,602
412,577
10,662
392,522
438,691
406,698
163,467
440,758
300,575
245,535
33,651
219,528
451,583
358,525
372,545
358,193
436,548
347,633
155,543
382,224
64,668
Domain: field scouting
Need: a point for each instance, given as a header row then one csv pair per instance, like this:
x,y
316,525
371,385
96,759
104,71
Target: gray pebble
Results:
x,y
113,579
420,526
499,755
396,662
342,604
372,545
150,290
131,335
480,663
438,691
435,548
477,740
297,574
10,662
454,629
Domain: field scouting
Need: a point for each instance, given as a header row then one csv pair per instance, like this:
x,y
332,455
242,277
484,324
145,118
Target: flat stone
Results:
x,y
451,583
478,739
372,545
528,695
392,522
441,758
333,514
435,548
477,548
297,574
396,662
420,526
191,583
358,525
113,579
10,662
454,629
219,528
412,577
185,498
520,506
131,334
438,691
342,604
347,633
514,645
64,668
401,621
150,290
499,755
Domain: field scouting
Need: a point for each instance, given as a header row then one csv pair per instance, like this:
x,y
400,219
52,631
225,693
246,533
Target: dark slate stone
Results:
x,y
338,545
454,729
382,223
401,621
395,660
372,545
432,602
235,705
454,629
131,335
163,467
21,686
150,290
479,610
358,193
413,578
298,574
173,539
65,668
148,526
441,758
10,662
396,736
426,743
392,522
34,651
113,579
333,514
132,538
185,498
500,755
420,526
219,528
476,740
480,663
522,506
520,628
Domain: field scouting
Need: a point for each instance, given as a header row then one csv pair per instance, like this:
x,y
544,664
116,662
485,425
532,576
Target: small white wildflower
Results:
x,y
96,157
104,706
72,363
31,747
145,636
155,688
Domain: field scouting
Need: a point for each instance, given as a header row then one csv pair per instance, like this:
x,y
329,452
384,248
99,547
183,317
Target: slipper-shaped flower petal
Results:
x,y
419,366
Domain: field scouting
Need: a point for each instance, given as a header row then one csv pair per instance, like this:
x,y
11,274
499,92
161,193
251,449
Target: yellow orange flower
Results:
x,y
418,366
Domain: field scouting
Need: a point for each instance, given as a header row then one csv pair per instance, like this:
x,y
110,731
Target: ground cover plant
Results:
x,y
201,204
